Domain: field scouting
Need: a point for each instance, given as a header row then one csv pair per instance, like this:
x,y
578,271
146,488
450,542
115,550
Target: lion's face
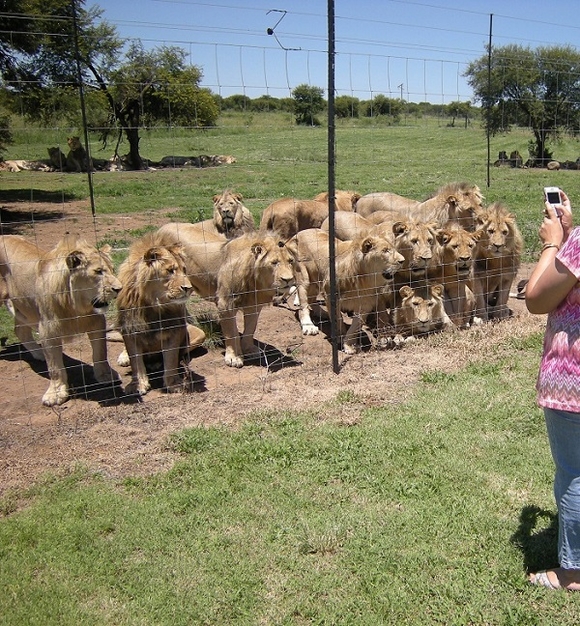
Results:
x,y
74,143
228,209
458,248
464,204
381,256
497,230
275,262
415,240
162,277
421,310
92,279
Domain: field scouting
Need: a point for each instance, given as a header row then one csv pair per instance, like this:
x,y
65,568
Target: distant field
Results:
x,y
276,158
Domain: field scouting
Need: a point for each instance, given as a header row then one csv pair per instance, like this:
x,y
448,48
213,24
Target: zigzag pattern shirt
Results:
x,y
558,384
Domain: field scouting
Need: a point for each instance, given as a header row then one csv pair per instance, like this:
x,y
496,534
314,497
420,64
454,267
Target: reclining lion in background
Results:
x,y
287,216
60,293
242,274
152,313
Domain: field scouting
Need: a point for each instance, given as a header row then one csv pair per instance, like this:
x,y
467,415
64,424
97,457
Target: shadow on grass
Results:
x,y
35,195
537,538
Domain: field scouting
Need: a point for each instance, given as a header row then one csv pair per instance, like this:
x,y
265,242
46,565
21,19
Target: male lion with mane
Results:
x,y
243,274
230,217
152,313
60,293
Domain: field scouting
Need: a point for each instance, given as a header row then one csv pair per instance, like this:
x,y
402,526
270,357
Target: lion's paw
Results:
x,y
233,360
310,329
56,394
104,373
349,348
123,359
137,388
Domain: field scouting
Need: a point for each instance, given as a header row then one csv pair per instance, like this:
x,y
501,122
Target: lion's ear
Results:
x,y
437,290
152,255
443,236
452,200
106,249
399,228
216,197
257,248
75,259
367,245
406,291
238,196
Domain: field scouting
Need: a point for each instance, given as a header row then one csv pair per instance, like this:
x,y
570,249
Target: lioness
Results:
x,y
77,159
455,273
363,267
61,293
242,274
287,216
497,260
151,310
454,202
419,311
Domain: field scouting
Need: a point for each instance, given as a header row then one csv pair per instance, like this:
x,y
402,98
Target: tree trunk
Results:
x,y
131,116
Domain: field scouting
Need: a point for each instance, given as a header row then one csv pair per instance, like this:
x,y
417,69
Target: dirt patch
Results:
x,y
119,436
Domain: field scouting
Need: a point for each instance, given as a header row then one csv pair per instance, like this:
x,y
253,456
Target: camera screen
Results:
x,y
553,197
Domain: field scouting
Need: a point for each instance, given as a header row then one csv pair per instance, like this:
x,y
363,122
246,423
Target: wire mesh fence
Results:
x,y
178,210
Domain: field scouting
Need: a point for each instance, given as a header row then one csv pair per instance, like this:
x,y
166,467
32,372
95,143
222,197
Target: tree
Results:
x,y
381,105
540,86
308,102
459,109
346,106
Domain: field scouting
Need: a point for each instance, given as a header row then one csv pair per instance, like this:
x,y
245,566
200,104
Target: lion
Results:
x,y
497,260
77,160
362,267
384,201
419,311
287,216
57,158
454,202
347,225
455,272
242,274
59,293
152,312
230,217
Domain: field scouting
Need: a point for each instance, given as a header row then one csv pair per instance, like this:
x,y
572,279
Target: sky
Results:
x,y
417,50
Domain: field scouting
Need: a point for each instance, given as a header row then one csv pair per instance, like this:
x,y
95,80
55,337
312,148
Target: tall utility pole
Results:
x,y
401,88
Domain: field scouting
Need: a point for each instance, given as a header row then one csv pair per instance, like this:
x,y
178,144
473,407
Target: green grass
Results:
x,y
276,158
423,513
427,512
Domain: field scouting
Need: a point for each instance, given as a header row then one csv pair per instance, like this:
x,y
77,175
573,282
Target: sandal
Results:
x,y
541,579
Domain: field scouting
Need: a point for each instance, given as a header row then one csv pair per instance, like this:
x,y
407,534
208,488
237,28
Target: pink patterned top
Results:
x,y
558,383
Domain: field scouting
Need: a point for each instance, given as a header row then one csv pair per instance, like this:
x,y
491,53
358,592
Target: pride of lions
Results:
x,y
403,268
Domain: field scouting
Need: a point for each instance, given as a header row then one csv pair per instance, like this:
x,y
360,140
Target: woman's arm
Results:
x,y
551,281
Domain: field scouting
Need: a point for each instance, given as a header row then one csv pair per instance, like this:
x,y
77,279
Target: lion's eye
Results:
x,y
100,271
